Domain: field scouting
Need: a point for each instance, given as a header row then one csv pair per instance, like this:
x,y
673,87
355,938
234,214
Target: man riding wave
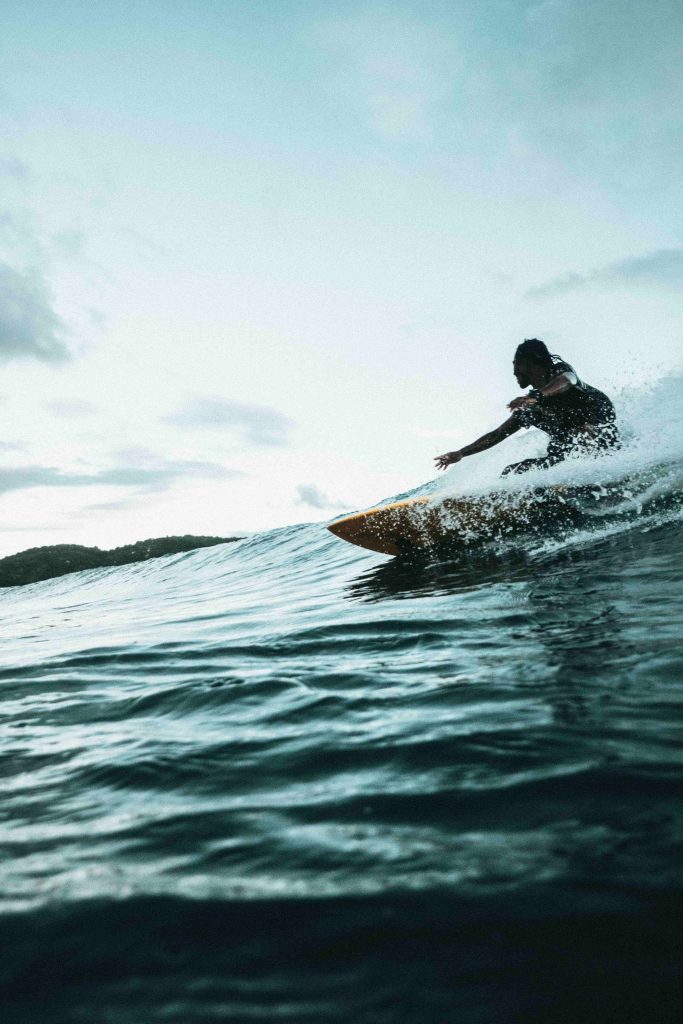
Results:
x,y
576,416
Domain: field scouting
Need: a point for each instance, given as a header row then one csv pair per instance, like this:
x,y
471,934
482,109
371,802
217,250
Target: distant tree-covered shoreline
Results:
x,y
44,563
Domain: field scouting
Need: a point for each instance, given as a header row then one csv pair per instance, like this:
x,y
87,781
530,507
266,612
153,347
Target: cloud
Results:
x,y
35,528
553,84
19,478
594,51
156,475
538,92
143,470
309,494
116,505
96,316
13,167
21,242
257,424
70,410
29,326
596,84
663,268
393,65
68,243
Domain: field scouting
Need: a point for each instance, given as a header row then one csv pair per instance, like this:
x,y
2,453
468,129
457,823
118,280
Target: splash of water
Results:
x,y
651,424
638,485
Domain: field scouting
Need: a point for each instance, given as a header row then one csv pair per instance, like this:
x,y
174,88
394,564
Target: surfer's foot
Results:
x,y
526,465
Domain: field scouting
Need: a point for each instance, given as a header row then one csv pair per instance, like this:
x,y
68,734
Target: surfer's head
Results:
x,y
532,363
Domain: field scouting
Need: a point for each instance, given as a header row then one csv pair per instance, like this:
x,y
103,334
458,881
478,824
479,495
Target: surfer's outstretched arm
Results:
x,y
511,425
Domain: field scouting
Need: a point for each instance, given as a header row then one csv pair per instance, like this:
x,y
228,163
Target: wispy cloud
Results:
x,y
36,528
71,410
154,476
596,88
395,66
144,470
115,505
14,167
20,241
258,425
557,84
39,246
68,243
663,268
313,497
29,326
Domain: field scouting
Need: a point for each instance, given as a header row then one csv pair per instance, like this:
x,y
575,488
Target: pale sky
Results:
x,y
261,261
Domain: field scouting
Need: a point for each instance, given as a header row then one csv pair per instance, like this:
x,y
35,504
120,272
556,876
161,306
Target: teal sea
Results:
x,y
288,779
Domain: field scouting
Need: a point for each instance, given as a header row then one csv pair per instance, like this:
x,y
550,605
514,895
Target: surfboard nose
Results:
x,y
336,528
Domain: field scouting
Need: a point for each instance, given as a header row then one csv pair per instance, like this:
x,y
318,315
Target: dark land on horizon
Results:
x,y
44,563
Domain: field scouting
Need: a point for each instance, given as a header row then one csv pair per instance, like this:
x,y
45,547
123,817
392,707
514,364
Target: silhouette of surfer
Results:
x,y
576,416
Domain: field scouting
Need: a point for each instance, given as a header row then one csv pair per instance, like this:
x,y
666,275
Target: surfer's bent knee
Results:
x,y
524,466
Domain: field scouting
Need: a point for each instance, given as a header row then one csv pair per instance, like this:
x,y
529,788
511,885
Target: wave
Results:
x,y
285,778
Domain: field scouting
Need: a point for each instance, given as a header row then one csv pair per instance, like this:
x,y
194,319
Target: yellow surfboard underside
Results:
x,y
422,523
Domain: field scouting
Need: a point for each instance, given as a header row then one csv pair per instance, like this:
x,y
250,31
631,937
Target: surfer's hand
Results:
x,y
522,402
446,460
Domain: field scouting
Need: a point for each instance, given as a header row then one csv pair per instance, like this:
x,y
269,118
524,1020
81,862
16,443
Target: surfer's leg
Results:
x,y
557,451
525,465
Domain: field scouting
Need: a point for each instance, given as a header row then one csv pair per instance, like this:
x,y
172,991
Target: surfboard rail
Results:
x,y
427,522
421,523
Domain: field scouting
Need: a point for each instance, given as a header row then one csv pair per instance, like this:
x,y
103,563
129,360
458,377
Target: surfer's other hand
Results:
x,y
446,460
521,402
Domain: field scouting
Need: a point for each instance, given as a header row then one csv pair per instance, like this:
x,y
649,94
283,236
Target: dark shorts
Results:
x,y
579,421
602,438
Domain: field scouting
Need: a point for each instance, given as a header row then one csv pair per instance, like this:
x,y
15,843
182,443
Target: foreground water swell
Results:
x,y
289,779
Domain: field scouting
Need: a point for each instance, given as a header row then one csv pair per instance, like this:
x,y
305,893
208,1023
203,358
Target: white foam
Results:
x,y
650,419
649,467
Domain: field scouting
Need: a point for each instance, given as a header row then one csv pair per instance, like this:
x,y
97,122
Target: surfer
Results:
x,y
576,416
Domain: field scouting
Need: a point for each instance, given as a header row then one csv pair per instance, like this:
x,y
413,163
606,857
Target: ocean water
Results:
x,y
287,779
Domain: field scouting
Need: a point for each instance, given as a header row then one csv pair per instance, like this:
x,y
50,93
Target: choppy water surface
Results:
x,y
288,779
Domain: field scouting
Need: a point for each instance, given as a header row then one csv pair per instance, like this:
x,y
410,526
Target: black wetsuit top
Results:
x,y
562,416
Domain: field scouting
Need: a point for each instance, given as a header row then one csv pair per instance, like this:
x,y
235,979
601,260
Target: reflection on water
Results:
x,y
433,575
571,604
597,515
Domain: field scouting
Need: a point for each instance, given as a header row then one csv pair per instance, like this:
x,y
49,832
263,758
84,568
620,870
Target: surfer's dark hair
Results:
x,y
536,350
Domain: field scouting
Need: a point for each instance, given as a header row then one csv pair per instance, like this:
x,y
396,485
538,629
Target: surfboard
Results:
x,y
418,524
